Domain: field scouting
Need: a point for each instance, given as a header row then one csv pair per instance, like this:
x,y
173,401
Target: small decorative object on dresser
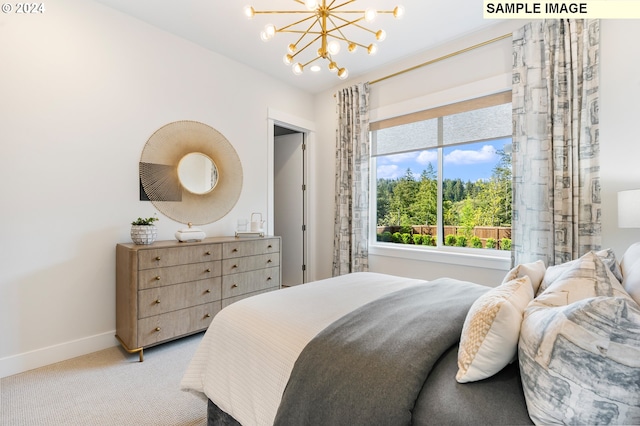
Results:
x,y
143,231
173,289
190,234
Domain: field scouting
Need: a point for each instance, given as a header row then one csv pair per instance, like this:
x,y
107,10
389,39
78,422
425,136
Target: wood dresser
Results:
x,y
169,289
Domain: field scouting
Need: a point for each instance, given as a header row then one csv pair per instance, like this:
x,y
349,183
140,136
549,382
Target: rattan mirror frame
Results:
x,y
159,172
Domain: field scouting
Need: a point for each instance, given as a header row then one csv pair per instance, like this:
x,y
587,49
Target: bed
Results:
x,y
369,348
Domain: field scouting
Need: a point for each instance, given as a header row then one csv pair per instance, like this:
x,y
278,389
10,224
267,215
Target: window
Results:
x,y
443,176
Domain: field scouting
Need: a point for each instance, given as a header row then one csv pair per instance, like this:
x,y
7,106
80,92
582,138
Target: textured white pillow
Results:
x,y
534,270
580,363
579,279
489,339
631,282
607,256
629,258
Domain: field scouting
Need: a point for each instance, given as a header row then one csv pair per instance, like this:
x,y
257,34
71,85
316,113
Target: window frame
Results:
x,y
485,258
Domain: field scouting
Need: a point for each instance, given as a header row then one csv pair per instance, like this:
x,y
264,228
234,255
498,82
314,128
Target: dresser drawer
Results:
x,y
250,263
174,324
231,300
250,248
157,258
247,282
157,277
165,299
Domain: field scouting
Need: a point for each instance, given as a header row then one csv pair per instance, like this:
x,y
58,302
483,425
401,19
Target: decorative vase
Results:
x,y
144,234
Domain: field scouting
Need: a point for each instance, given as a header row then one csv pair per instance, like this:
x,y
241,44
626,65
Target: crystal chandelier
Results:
x,y
325,22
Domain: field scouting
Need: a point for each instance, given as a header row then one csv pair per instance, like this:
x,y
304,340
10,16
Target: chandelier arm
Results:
x,y
336,28
311,61
274,12
284,29
354,23
307,45
332,7
308,31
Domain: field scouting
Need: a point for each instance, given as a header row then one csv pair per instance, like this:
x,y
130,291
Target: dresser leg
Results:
x,y
139,351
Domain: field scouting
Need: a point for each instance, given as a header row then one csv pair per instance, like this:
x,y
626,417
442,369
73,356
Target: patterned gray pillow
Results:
x,y
580,363
579,349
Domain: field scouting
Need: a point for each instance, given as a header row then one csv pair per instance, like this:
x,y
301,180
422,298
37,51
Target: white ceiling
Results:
x,y
220,26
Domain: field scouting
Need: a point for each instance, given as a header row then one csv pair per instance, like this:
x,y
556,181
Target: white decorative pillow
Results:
x,y
631,282
489,339
580,364
534,270
579,279
629,258
554,272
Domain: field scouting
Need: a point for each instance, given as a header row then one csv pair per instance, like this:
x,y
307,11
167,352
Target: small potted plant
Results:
x,y
143,231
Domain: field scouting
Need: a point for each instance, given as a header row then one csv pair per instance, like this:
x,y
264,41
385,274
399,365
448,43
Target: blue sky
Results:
x,y
467,162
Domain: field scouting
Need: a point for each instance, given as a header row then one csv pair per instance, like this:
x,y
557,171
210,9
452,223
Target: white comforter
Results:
x,y
246,356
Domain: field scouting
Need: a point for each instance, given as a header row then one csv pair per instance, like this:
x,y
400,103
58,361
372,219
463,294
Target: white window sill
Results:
x,y
495,259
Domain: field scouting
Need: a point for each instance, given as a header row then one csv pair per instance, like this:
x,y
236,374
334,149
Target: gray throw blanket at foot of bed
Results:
x,y
368,367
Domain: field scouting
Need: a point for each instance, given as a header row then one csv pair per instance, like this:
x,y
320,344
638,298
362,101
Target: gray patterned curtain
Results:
x,y
351,219
556,205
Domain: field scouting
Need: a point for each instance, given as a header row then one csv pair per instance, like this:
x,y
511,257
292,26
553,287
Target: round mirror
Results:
x,y
198,173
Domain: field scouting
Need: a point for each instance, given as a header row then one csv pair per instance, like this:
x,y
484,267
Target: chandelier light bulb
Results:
x,y
292,48
370,15
333,47
270,30
264,36
352,47
249,11
381,35
372,49
398,12
343,73
311,4
333,67
287,59
297,68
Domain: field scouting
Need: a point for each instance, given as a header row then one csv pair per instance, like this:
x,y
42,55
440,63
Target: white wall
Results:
x,y
483,68
82,88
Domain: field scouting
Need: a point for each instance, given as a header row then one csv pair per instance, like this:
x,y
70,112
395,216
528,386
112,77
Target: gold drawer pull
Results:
x,y
269,279
157,328
234,266
208,253
157,301
269,246
207,291
207,316
208,270
234,286
235,250
158,278
157,257
269,261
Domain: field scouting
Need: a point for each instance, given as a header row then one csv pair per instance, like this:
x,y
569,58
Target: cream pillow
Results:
x,y
607,256
534,270
631,282
629,258
490,333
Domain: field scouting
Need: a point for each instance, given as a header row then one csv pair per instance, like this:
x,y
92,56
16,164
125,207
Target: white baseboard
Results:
x,y
20,363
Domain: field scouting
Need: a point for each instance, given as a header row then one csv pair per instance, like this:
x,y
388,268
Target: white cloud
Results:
x,y
426,157
388,171
401,158
486,154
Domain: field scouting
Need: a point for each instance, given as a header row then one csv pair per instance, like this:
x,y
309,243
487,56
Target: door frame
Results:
x,y
308,128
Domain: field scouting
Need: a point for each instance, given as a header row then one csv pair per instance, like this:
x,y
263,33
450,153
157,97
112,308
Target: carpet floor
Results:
x,y
109,387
